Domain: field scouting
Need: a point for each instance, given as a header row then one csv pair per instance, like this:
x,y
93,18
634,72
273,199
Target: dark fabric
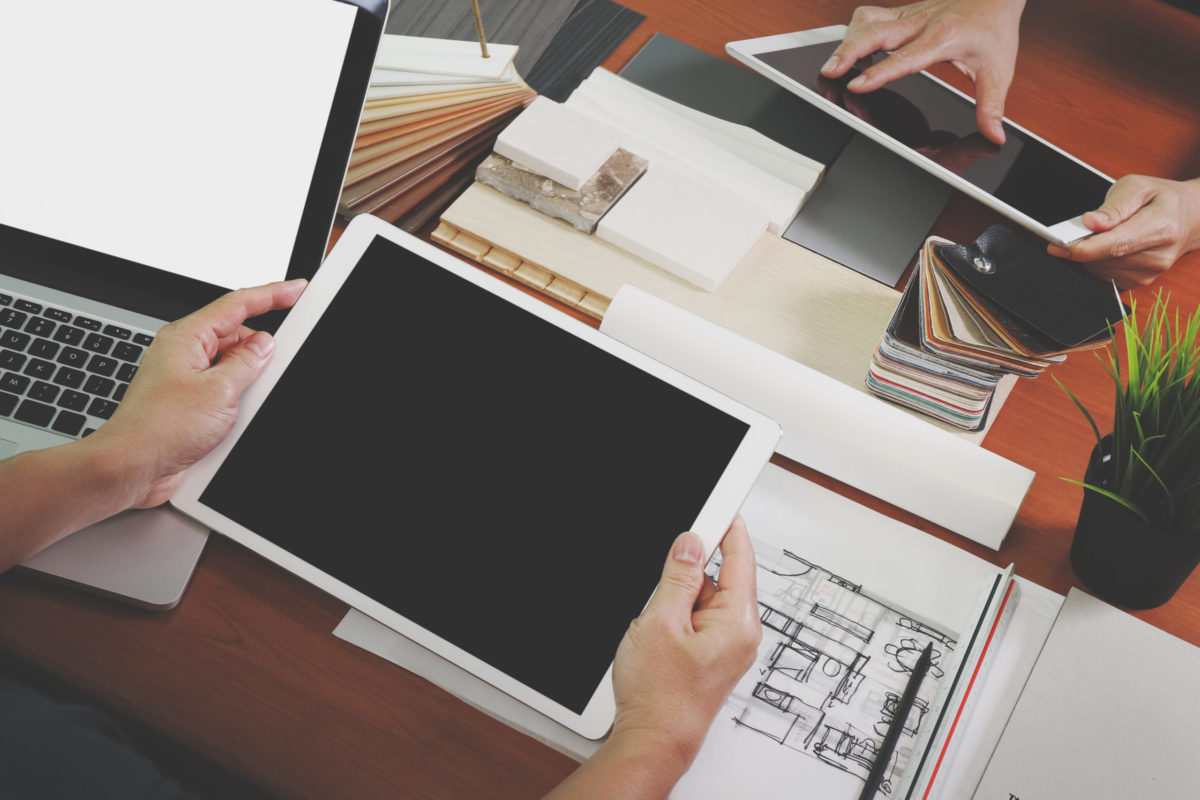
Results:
x,y
56,751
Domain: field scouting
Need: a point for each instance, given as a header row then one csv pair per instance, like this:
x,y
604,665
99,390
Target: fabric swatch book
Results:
x,y
434,106
974,313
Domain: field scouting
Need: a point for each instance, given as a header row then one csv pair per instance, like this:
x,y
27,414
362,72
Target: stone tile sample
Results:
x,y
558,142
583,208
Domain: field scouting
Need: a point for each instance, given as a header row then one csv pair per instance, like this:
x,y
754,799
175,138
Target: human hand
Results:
x,y
682,656
979,37
1144,226
183,400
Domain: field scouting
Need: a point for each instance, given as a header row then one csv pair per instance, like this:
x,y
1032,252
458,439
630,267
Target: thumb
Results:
x,y
682,579
1124,199
245,361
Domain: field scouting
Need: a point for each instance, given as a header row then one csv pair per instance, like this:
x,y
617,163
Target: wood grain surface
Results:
x,y
245,670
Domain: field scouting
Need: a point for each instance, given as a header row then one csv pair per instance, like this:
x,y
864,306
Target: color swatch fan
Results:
x,y
433,108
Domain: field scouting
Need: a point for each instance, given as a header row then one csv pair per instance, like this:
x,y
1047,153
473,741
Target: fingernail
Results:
x,y
857,82
830,65
261,343
688,548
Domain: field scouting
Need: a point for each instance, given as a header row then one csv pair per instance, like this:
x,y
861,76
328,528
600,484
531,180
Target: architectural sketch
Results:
x,y
832,666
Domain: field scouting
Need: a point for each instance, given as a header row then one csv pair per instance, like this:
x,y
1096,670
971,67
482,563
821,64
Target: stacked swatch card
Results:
x,y
433,108
973,313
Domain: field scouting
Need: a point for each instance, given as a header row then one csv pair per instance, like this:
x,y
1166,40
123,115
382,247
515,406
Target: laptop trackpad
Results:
x,y
145,557
8,448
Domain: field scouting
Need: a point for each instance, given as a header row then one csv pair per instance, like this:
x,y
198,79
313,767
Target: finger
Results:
x,y
903,61
990,93
1126,197
871,29
737,577
226,314
244,362
1139,234
682,579
708,590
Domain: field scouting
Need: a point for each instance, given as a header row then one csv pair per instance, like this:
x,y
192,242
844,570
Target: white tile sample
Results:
x,y
443,56
687,227
733,157
558,142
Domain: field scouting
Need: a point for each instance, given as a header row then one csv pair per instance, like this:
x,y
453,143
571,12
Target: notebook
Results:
x,y
131,129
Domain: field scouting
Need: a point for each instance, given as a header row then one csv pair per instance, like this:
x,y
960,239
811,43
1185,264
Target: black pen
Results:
x,y
899,717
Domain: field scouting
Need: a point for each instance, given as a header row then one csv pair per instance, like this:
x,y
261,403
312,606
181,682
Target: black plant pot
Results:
x,y
1121,559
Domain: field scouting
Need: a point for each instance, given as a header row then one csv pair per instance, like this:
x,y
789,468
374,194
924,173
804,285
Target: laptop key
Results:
x,y
11,360
119,394
12,382
69,423
46,392
7,403
125,372
117,332
102,365
72,357
97,343
11,318
68,335
144,339
34,413
76,401
102,408
37,368
72,378
39,326
15,340
99,386
57,314
87,322
43,348
127,352
28,305
6,299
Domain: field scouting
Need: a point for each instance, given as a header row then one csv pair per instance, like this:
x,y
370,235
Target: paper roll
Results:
x,y
841,432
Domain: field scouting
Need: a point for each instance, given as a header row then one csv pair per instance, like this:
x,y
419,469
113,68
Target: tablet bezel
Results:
x,y
747,50
711,523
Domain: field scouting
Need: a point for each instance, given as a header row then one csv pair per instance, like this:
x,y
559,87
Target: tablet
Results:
x,y
493,479
932,124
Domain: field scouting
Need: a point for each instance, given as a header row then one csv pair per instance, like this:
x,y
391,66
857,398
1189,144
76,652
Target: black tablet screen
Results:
x,y
476,469
939,125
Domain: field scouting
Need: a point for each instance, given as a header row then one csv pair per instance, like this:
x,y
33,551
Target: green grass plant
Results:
x,y
1156,423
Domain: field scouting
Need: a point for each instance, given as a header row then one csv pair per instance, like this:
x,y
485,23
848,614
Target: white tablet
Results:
x,y
932,124
490,477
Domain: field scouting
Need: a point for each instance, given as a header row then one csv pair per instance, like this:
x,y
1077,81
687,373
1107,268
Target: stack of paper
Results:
x,y
948,346
433,108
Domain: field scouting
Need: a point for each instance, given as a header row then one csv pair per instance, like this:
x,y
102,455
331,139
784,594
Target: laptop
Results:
x,y
154,156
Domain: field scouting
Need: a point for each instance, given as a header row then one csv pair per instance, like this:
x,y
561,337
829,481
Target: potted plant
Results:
x,y
1138,534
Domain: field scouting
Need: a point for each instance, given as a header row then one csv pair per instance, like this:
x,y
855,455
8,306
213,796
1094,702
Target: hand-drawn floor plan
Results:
x,y
831,668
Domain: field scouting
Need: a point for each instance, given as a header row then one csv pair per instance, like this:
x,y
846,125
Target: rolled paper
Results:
x,y
831,427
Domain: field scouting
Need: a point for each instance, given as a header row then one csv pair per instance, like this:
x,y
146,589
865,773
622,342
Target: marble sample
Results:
x,y
686,226
581,207
558,142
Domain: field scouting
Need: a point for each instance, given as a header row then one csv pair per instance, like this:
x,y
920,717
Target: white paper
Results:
x,y
1107,714
848,435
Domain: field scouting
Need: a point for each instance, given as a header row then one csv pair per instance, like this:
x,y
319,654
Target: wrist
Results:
x,y
120,469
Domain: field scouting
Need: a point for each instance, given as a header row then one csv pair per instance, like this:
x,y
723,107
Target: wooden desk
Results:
x,y
246,671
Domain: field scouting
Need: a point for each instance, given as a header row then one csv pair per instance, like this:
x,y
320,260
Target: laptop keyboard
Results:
x,y
62,370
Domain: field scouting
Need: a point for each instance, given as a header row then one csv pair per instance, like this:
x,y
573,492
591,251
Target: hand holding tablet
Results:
x,y
535,470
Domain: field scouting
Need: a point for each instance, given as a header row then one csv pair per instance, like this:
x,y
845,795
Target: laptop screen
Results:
x,y
178,150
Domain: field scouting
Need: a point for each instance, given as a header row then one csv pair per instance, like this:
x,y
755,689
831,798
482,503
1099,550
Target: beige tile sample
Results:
x,y
443,56
687,227
558,142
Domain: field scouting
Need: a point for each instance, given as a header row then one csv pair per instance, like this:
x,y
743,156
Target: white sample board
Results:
x,y
558,142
